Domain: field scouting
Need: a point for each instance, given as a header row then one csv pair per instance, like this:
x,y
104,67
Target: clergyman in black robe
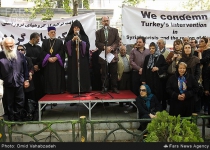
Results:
x,y
77,38
53,57
33,51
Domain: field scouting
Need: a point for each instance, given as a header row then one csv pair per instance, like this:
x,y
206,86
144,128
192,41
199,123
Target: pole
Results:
x,y
78,68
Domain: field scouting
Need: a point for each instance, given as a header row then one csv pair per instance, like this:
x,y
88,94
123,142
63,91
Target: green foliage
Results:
x,y
195,5
132,2
45,7
166,128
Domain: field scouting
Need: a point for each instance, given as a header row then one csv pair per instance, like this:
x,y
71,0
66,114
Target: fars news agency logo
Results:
x,y
187,146
16,15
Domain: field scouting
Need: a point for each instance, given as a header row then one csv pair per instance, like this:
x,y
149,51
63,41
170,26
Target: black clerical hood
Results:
x,y
78,24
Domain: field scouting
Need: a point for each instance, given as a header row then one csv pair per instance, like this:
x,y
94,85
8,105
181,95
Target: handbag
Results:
x,y
172,68
162,76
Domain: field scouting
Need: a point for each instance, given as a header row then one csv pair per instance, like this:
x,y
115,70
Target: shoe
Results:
x,y
115,90
208,126
121,104
54,104
106,104
103,91
206,113
72,104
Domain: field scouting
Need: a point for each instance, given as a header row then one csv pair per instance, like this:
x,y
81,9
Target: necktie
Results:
x,y
106,33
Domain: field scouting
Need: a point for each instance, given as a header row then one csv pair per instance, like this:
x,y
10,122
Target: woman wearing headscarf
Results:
x,y
193,67
77,40
174,56
182,88
147,104
154,65
193,62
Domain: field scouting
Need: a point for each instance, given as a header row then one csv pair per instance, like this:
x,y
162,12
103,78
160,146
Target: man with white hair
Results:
x,y
165,52
14,73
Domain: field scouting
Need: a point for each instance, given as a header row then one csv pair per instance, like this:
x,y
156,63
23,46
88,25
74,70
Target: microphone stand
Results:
x,y
106,70
78,70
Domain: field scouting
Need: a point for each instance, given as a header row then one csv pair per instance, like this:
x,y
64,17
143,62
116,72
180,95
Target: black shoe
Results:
x,y
208,126
121,104
72,104
103,91
115,90
54,104
106,104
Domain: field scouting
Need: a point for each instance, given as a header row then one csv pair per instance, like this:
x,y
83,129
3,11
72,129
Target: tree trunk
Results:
x,y
75,7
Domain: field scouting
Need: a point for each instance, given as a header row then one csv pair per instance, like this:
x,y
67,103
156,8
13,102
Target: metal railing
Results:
x,y
7,128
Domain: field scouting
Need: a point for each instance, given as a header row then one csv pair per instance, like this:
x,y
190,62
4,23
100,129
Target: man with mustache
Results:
x,y
107,39
14,73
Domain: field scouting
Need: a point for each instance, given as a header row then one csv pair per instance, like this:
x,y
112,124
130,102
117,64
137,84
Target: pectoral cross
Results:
x,y
51,51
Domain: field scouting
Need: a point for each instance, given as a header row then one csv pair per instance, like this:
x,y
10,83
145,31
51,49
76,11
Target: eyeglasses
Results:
x,y
142,90
21,49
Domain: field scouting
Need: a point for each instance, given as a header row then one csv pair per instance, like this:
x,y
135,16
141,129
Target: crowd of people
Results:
x,y
157,76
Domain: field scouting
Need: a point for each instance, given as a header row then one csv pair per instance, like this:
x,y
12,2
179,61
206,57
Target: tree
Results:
x,y
132,2
194,5
45,7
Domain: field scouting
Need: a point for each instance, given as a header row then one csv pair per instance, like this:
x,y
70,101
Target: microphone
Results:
x,y
77,33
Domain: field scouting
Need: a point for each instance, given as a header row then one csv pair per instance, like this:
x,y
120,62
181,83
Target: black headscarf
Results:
x,y
82,32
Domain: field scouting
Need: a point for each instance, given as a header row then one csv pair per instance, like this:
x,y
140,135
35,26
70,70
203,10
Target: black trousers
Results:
x,y
15,101
136,82
125,82
110,73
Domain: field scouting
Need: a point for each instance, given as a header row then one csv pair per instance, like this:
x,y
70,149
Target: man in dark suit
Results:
x,y
108,38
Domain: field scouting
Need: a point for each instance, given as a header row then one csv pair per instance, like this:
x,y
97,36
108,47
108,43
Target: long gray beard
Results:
x,y
10,55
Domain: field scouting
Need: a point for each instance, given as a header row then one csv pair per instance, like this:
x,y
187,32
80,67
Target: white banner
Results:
x,y
21,30
170,25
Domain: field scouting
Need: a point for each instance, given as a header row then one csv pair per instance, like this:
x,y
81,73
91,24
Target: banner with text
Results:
x,y
20,30
170,25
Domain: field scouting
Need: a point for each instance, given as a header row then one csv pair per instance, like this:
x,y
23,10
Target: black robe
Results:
x,y
152,79
54,73
34,52
184,108
72,67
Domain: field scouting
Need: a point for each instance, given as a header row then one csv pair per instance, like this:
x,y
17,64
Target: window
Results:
x,y
80,3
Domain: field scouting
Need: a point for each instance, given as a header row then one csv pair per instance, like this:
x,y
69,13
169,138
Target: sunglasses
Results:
x,y
143,90
20,49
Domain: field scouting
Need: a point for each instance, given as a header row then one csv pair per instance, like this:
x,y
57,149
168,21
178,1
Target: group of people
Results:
x,y
174,76
156,75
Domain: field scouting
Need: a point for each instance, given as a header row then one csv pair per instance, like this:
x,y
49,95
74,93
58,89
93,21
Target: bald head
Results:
x,y
8,43
161,43
9,48
185,40
105,21
122,50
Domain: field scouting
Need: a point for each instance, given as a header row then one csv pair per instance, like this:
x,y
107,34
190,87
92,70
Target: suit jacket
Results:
x,y
113,41
120,65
